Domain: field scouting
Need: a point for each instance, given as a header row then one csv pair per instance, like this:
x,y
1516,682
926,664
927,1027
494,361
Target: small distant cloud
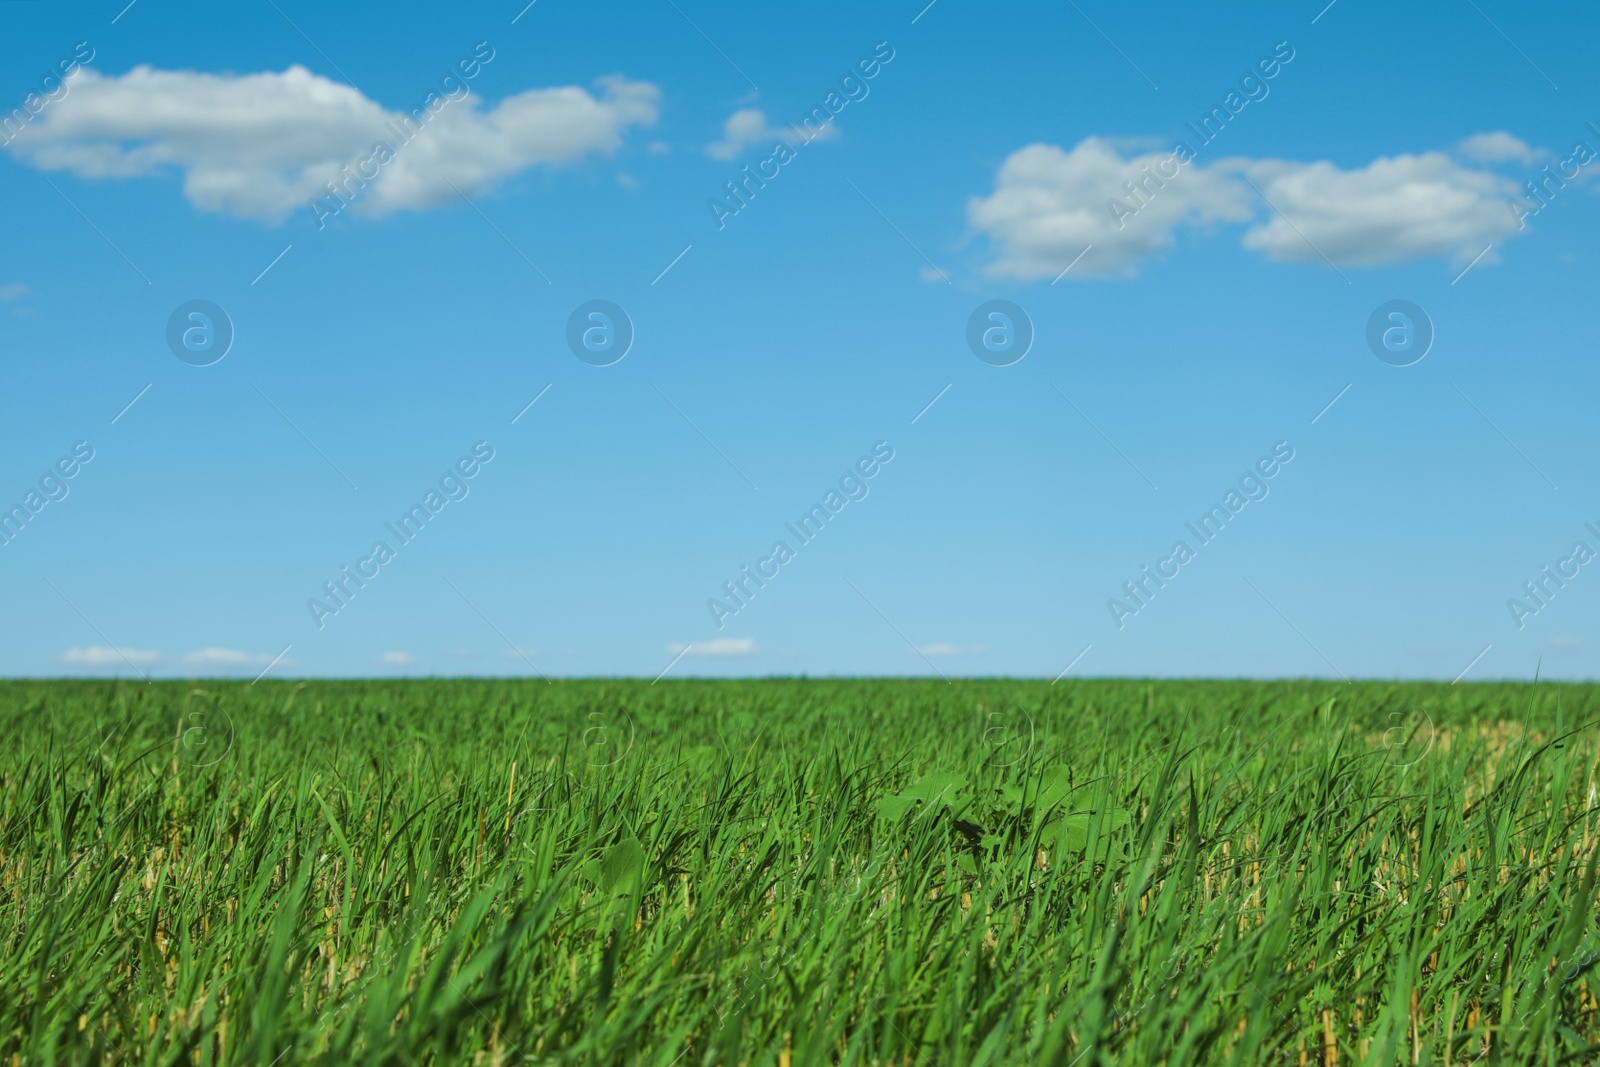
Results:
x,y
1496,147
1567,642
745,127
226,657
658,148
10,294
521,653
721,646
952,650
748,127
101,656
395,659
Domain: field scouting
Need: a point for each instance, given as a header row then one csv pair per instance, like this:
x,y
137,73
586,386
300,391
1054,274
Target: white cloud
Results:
x,y
720,646
1566,642
395,659
748,127
10,294
1393,209
951,650
261,145
521,653
744,128
227,657
1497,147
1048,205
101,656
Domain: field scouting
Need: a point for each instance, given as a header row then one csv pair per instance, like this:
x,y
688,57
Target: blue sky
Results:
x,y
571,153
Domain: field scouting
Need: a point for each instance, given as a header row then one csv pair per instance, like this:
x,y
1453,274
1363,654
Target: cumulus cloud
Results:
x,y
395,659
1050,204
1393,209
102,656
1496,147
261,145
720,646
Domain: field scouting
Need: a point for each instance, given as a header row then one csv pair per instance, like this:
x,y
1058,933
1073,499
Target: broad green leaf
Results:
x,y
621,866
1054,787
942,786
894,808
1089,831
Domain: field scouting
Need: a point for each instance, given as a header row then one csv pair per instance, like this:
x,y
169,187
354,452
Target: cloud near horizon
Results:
x,y
260,146
229,657
1049,204
946,649
720,646
102,656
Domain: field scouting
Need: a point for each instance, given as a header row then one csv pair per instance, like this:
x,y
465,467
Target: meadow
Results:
x,y
797,872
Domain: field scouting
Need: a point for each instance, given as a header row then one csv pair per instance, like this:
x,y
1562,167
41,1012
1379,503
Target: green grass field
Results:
x,y
798,872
